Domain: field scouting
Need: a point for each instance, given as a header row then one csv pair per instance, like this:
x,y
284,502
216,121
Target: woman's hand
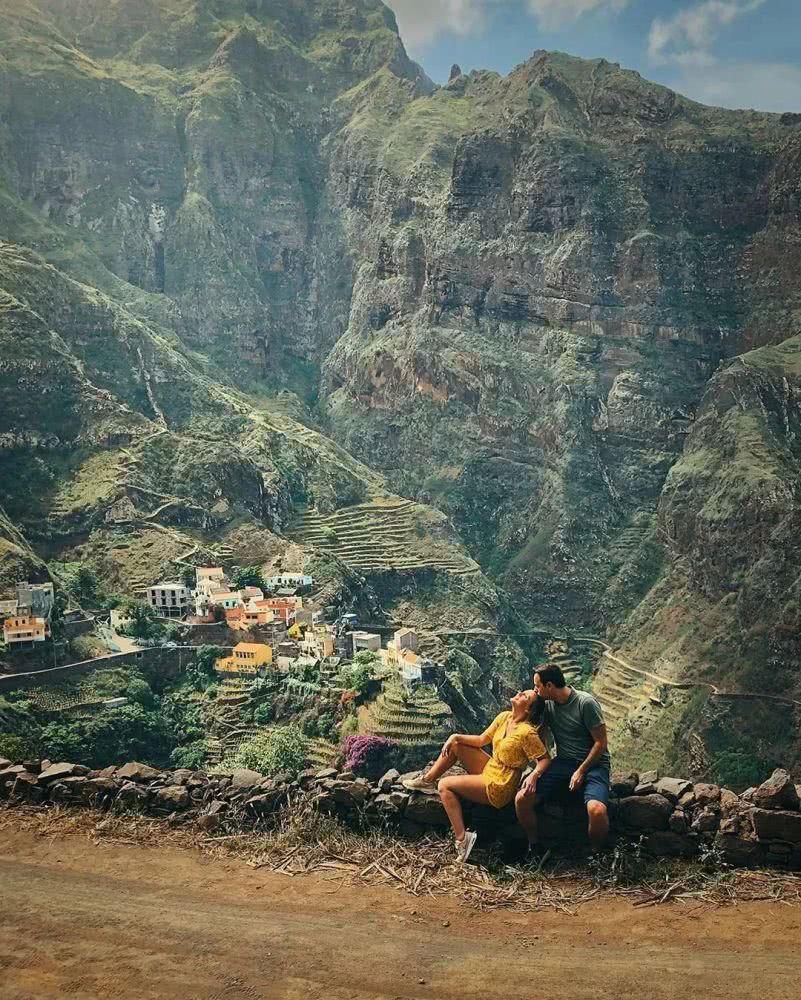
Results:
x,y
449,746
529,786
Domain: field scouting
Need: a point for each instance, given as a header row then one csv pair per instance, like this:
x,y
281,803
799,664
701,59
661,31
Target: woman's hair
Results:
x,y
537,713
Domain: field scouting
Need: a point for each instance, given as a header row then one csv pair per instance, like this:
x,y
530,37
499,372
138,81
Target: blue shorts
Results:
x,y
556,780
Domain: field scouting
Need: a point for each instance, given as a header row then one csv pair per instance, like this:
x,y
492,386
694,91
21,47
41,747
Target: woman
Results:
x,y
491,780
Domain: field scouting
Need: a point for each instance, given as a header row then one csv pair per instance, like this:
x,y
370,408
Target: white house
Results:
x,y
169,599
365,640
288,580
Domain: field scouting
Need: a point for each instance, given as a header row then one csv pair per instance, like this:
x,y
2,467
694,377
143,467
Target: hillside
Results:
x,y
516,349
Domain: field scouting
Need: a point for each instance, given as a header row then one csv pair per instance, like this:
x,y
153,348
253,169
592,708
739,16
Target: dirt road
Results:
x,y
79,920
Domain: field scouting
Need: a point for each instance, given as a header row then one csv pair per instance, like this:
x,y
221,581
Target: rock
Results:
x,y
131,796
243,777
5,763
99,789
172,797
386,782
645,812
623,784
673,788
137,772
306,778
645,788
209,823
687,799
351,793
32,766
649,777
26,788
67,790
399,799
346,776
455,73
426,810
729,802
217,807
182,776
678,821
778,792
265,803
325,773
707,795
706,821
56,772
668,844
738,850
775,824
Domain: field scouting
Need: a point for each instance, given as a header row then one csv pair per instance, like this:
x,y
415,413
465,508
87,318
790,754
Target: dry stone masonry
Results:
x,y
668,817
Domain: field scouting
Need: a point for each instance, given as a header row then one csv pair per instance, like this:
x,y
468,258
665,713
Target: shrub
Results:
x,y
247,576
16,748
193,755
139,691
263,715
282,749
368,756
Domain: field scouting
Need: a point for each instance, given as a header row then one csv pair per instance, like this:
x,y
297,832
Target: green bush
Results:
x,y
282,749
16,748
140,692
263,714
247,576
193,756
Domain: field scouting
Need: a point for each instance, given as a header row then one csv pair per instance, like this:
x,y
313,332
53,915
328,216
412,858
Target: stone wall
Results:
x,y
166,660
668,817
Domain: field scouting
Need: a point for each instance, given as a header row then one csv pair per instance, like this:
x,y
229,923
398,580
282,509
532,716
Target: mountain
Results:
x,y
543,325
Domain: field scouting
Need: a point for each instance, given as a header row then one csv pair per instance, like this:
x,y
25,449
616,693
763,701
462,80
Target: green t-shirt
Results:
x,y
570,726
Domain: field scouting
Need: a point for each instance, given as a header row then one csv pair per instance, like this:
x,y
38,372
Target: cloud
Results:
x,y
764,86
687,38
553,14
422,21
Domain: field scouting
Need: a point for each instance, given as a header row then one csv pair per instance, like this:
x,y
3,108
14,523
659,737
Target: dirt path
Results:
x,y
81,920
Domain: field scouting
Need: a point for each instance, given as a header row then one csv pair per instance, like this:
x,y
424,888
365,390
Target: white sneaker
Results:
x,y
419,784
465,846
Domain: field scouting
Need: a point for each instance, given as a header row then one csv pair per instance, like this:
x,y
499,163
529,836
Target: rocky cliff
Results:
x,y
555,310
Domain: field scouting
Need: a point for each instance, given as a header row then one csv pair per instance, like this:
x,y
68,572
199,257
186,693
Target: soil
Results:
x,y
124,921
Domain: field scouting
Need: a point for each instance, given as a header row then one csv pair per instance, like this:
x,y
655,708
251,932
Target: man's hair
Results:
x,y
550,674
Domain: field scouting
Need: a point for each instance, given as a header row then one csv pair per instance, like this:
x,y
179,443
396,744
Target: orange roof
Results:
x,y
251,647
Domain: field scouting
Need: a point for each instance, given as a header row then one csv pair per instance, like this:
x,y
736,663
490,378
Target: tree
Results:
x,y
248,576
140,692
86,583
144,623
200,671
358,675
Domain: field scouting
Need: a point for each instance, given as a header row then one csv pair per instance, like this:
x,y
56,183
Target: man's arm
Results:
x,y
598,748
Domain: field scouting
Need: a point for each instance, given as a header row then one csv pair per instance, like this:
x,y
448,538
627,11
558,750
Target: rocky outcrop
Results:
x,y
684,821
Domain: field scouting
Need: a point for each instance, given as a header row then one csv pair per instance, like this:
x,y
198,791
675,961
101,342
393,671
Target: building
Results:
x,y
284,607
294,581
169,599
365,640
317,643
118,620
207,577
35,599
252,594
24,629
247,658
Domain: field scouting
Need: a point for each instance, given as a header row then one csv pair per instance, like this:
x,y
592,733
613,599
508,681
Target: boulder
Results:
x,y
217,807
667,844
26,788
265,803
706,821
5,763
99,789
673,788
209,823
645,812
172,797
56,772
775,824
645,788
426,810
182,776
243,778
729,802
678,821
326,772
67,790
649,777
687,799
707,795
346,776
350,793
738,850
778,792
131,796
399,799
387,780
623,784
306,778
33,766
137,772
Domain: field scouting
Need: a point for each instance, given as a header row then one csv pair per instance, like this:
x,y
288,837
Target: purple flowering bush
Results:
x,y
368,756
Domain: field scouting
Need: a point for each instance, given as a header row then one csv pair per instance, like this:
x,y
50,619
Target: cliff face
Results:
x,y
557,306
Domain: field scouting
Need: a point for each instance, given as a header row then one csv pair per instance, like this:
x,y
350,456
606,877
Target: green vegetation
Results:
x,y
284,749
247,576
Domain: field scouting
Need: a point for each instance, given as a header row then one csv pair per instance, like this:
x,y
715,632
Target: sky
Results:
x,y
730,53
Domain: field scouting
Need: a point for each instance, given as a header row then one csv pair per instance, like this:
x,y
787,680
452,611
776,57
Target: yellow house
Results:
x,y
247,658
24,628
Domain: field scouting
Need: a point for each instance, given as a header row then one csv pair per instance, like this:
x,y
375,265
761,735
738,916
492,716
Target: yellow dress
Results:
x,y
510,755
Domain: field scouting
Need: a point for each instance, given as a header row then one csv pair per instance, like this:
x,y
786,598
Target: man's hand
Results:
x,y
577,780
529,786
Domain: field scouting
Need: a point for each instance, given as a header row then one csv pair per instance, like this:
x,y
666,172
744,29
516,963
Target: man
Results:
x,y
582,759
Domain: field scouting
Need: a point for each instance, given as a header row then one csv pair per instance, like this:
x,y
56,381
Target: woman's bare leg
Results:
x,y
524,807
472,759
457,787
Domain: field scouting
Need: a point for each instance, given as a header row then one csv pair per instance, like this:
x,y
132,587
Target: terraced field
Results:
x,y
411,718
629,540
623,692
382,534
